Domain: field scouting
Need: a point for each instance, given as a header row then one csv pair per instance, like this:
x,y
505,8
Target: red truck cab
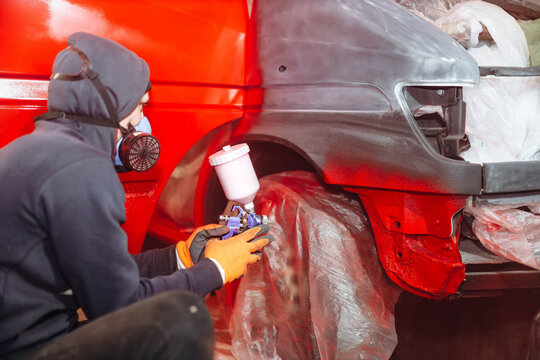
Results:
x,y
196,59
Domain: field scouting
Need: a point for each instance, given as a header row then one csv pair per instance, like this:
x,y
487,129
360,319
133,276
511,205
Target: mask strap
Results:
x,y
85,73
125,132
81,118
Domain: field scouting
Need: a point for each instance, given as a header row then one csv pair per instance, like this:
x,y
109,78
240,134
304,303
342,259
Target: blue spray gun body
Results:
x,y
242,221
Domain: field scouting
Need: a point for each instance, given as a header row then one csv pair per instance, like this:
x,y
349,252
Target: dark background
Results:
x,y
486,328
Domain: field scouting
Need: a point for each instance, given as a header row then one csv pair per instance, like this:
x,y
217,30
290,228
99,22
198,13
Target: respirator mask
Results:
x,y
137,150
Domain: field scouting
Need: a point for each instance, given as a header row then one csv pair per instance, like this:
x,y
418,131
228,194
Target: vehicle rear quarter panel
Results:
x,y
325,78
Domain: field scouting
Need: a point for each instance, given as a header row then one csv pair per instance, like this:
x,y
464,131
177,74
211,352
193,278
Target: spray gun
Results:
x,y
240,184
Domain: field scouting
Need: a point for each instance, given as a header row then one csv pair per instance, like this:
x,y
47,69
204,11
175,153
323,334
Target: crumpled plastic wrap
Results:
x,y
464,22
319,291
502,112
502,123
432,9
512,233
502,120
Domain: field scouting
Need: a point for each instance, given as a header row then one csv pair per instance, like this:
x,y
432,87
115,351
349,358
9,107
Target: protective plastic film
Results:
x,y
319,291
502,123
513,233
467,20
502,112
432,9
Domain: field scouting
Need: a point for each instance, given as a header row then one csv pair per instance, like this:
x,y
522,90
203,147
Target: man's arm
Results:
x,y
157,262
83,206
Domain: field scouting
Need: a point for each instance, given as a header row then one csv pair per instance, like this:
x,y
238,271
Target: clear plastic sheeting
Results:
x,y
502,123
464,22
319,291
502,112
502,120
512,233
432,9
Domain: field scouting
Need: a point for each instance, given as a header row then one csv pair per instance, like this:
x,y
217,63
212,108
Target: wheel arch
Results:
x,y
193,195
269,155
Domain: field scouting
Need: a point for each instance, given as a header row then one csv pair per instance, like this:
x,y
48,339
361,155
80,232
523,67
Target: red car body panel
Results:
x,y
195,53
417,239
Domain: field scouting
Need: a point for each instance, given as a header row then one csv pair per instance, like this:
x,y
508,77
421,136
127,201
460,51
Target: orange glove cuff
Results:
x,y
182,249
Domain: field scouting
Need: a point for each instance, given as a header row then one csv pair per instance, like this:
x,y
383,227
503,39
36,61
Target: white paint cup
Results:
x,y
236,174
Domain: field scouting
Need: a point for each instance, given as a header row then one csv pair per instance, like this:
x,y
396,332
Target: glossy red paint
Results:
x,y
417,239
195,52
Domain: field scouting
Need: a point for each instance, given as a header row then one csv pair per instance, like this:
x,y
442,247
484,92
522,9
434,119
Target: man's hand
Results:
x,y
235,253
191,250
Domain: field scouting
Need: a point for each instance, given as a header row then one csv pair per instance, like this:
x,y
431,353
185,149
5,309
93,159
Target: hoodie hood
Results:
x,y
123,73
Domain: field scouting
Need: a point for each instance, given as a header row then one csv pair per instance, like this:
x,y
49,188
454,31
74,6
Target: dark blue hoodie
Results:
x,y
62,206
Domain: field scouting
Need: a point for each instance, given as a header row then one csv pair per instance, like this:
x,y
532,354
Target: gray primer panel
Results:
x,y
330,70
365,149
511,176
326,97
355,41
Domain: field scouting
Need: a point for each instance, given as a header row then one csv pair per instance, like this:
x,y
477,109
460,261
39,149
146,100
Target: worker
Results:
x,y
62,246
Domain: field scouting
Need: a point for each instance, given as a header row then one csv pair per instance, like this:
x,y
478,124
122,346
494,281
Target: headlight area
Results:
x,y
439,113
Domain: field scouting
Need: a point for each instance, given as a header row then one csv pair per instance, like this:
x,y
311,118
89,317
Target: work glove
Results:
x,y
192,250
236,253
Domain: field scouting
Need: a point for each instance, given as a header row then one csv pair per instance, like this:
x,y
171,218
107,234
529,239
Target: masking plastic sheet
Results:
x,y
502,123
467,20
502,112
432,9
510,232
319,291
